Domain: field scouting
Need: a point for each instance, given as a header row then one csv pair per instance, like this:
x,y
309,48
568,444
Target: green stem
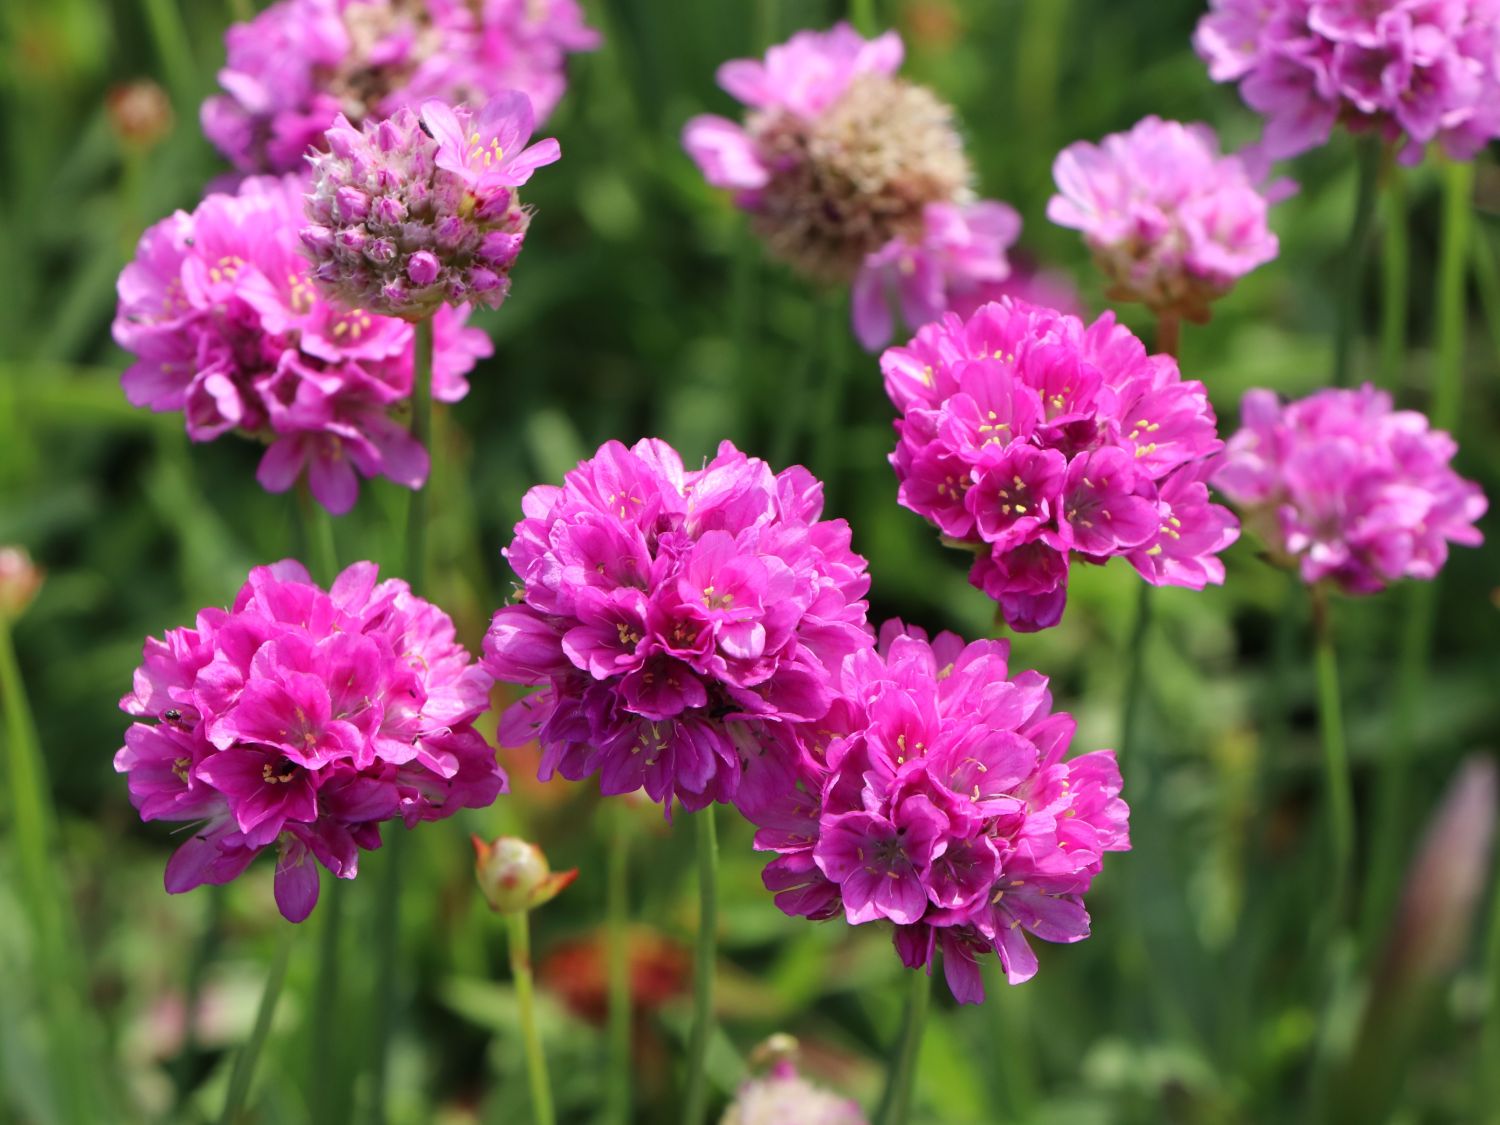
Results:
x,y
901,1072
421,430
1340,792
1487,280
317,534
203,955
1395,268
1453,259
1135,677
519,926
1489,1037
695,1101
836,365
1347,329
862,15
617,965
249,1054
326,1046
164,20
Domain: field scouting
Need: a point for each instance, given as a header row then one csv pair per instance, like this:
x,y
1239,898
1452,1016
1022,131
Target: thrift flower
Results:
x,y
936,797
1413,71
852,175
298,65
782,1095
1033,440
1172,224
1347,489
300,719
220,312
514,875
415,212
676,620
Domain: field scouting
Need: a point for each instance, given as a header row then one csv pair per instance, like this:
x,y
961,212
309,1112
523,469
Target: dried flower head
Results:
x,y
514,875
298,65
1347,489
412,213
300,719
140,113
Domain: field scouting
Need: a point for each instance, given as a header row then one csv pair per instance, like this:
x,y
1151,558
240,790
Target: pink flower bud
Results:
x,y
514,875
20,579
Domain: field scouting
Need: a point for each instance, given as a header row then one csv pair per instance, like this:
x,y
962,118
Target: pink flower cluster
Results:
x,y
298,65
941,802
225,324
412,213
1414,71
302,719
1171,222
1031,440
678,620
1347,489
855,176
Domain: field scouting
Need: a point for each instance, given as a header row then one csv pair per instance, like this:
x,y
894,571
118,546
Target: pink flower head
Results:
x,y
853,175
936,797
300,63
412,213
1415,71
1347,489
1171,222
782,1095
226,326
677,620
300,719
1033,440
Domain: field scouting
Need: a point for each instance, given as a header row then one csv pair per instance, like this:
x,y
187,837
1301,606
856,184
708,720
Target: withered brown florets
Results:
x,y
857,176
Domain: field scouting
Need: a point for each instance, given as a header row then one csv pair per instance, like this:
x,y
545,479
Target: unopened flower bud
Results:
x,y
20,579
514,875
140,113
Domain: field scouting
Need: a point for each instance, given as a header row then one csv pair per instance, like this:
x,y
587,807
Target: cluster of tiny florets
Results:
x,y
221,313
412,212
294,68
1033,440
936,796
1347,489
677,620
299,720
1414,71
1171,222
782,1096
851,174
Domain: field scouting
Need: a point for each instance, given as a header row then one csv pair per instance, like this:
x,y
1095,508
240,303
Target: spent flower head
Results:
x,y
936,796
1034,441
301,719
851,174
514,874
226,326
1347,489
1171,222
1411,71
299,64
414,212
677,620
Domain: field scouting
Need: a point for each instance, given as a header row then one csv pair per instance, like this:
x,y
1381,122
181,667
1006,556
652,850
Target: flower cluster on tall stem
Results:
x,y
227,327
937,796
299,64
853,175
301,719
1033,441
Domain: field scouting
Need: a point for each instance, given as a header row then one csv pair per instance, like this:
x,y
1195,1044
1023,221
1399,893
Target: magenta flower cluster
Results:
x,y
412,212
298,65
1034,440
679,620
1171,222
1412,71
226,326
853,175
300,719
1348,490
937,797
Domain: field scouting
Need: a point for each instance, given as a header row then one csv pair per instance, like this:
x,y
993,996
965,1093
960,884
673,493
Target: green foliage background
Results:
x,y
642,307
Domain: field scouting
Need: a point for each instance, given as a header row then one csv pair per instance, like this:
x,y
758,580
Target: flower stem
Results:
x,y
1340,791
901,1072
519,926
617,965
317,533
203,955
326,1044
1395,267
1458,214
1135,677
1169,334
695,1101
421,430
1347,329
862,16
1489,1036
249,1054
